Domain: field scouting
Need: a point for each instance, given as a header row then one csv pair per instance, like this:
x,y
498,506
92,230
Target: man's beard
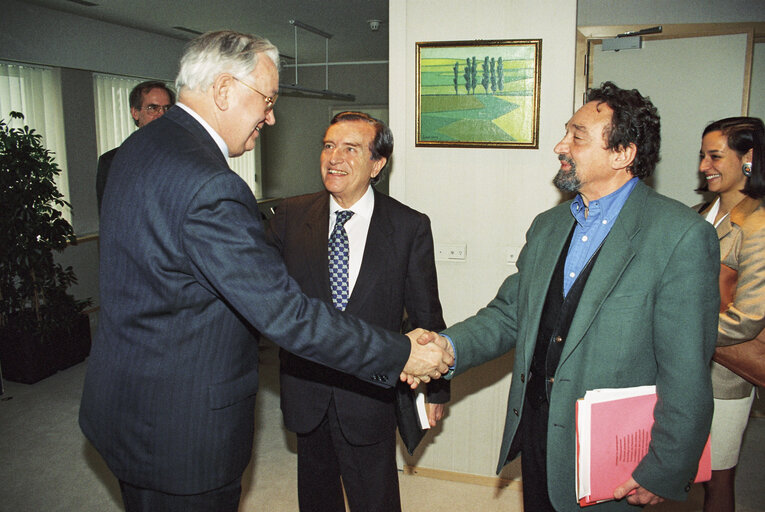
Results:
x,y
567,181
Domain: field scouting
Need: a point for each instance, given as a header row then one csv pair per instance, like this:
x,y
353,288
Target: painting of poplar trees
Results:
x,y
478,93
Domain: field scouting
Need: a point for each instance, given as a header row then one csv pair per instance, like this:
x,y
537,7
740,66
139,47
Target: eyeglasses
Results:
x,y
156,109
270,100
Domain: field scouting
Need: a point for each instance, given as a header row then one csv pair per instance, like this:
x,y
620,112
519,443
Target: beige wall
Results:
x,y
485,198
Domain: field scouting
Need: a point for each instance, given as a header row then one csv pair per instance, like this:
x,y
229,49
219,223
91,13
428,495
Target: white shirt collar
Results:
x,y
364,206
217,138
712,214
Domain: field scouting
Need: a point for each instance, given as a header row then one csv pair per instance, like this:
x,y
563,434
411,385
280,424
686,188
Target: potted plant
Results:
x,y
42,328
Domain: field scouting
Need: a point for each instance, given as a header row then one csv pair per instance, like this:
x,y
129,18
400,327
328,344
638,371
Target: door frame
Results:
x,y
587,36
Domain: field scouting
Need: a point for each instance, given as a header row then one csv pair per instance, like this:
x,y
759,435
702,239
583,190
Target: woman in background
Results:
x,y
732,160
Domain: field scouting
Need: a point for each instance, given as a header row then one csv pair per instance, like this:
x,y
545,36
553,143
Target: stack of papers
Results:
x,y
613,430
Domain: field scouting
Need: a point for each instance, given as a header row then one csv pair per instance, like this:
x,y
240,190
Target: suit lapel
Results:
x,y
316,233
723,228
614,257
544,263
376,253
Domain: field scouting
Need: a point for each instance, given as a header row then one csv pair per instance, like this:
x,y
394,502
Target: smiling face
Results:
x,y
247,111
720,164
346,161
587,165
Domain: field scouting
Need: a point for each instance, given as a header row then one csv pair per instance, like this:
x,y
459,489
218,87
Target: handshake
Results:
x,y
430,358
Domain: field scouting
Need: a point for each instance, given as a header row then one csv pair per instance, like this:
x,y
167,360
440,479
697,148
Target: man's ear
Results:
x,y
623,156
378,166
134,113
222,90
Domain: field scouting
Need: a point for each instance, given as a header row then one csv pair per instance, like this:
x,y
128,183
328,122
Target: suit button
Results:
x,y
687,487
558,339
515,411
551,380
523,378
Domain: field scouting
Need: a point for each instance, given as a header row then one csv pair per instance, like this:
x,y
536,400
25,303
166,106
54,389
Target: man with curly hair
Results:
x,y
615,288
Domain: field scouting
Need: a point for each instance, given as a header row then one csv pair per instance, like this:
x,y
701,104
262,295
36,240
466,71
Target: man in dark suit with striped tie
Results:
x,y
186,281
369,255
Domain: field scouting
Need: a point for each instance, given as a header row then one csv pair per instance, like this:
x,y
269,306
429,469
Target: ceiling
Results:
x,y
346,20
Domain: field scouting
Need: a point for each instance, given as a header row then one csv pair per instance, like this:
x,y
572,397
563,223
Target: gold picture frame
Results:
x,y
479,93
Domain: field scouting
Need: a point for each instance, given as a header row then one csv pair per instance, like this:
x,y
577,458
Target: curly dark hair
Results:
x,y
635,121
745,133
381,146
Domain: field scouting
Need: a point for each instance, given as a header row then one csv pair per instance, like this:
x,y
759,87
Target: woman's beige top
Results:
x,y
742,248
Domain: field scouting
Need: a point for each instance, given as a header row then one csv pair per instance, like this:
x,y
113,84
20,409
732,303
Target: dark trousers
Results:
x,y
223,499
369,472
533,429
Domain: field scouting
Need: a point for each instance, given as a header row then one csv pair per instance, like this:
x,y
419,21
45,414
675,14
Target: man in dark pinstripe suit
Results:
x,y
187,279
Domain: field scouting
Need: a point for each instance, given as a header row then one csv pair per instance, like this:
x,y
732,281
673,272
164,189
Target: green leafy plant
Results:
x,y
33,287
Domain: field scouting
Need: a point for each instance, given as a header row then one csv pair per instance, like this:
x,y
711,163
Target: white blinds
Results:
x,y
114,123
36,92
244,166
113,120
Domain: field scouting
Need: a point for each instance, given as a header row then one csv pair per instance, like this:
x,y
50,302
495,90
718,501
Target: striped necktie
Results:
x,y
338,261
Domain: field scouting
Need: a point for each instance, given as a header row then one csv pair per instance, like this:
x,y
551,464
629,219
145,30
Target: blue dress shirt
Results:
x,y
590,232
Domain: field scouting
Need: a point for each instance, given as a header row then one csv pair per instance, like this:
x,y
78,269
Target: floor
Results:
x,y
48,466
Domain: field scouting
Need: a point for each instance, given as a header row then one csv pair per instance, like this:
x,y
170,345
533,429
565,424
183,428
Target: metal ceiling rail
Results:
x,y
325,93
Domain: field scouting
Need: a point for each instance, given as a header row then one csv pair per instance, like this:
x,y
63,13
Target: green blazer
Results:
x,y
647,315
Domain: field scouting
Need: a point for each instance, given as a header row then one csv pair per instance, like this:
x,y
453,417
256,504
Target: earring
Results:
x,y
747,169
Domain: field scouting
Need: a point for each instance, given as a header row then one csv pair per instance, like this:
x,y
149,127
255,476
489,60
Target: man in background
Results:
x,y
615,288
187,281
148,101
388,268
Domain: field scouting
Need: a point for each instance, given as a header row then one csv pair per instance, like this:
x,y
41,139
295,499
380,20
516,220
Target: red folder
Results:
x,y
613,430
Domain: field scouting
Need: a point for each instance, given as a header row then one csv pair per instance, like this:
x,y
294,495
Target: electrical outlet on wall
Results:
x,y
511,254
451,252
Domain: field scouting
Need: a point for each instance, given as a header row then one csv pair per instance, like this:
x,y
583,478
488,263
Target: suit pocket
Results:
x,y
624,325
225,394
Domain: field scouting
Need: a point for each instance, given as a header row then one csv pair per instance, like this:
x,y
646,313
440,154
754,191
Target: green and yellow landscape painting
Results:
x,y
478,95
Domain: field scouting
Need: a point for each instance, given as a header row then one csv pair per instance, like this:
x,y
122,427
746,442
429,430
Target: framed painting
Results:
x,y
479,93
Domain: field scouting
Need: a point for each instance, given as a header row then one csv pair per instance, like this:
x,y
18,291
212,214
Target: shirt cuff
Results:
x,y
454,350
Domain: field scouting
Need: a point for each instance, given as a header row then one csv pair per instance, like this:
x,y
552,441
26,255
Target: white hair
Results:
x,y
213,53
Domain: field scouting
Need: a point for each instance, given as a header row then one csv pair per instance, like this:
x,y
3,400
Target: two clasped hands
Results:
x,y
430,358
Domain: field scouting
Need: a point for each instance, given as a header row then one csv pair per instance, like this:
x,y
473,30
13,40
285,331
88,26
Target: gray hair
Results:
x,y
213,53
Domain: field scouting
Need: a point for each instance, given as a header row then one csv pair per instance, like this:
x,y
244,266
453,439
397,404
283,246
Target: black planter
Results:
x,y
27,359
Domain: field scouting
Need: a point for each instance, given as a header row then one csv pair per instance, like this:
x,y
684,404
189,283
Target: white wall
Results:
x,y
757,93
485,198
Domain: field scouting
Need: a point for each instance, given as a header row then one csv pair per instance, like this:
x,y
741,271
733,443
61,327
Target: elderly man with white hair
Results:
x,y
187,281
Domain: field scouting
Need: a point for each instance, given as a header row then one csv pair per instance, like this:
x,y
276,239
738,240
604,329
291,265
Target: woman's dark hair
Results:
x,y
635,121
743,134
